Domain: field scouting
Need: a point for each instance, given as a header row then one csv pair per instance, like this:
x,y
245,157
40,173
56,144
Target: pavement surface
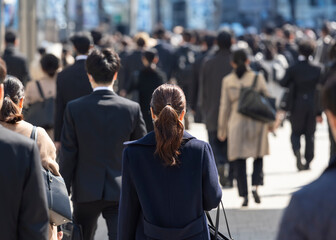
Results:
x,y
261,221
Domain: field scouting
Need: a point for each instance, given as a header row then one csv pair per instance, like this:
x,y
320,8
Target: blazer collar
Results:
x,y
149,139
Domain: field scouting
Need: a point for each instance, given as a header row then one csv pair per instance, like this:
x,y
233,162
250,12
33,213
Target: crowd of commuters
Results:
x,y
120,116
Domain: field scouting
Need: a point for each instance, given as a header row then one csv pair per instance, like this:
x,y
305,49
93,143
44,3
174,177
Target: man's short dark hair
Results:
x,y
82,42
306,48
329,95
10,36
102,65
224,40
3,71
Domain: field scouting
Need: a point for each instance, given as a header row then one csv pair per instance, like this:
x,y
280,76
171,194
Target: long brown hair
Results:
x,y
13,90
168,102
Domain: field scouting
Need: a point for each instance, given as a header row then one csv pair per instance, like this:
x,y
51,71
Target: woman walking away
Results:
x,y
246,137
169,178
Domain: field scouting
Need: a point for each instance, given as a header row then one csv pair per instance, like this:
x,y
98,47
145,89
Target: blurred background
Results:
x,y
55,20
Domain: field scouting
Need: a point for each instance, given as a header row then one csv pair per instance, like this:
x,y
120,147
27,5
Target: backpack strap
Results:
x,y
40,89
254,84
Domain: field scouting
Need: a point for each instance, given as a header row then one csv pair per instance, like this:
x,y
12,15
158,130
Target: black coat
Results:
x,y
214,69
148,81
159,202
166,57
95,127
23,204
16,64
71,83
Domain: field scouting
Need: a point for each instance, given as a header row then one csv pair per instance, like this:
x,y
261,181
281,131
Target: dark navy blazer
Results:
x,y
159,202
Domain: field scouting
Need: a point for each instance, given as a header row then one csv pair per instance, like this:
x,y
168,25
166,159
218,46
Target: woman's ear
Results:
x,y
152,114
182,115
21,103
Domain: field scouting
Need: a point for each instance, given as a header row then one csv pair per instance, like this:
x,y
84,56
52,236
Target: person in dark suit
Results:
x,y
304,77
15,61
311,213
214,69
95,127
165,52
23,204
72,82
169,178
149,79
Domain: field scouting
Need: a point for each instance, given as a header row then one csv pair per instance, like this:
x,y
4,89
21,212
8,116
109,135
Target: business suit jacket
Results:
x,y
159,202
71,83
214,69
166,57
23,204
16,64
95,127
311,213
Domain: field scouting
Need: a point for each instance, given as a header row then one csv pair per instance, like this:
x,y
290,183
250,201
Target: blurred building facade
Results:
x,y
55,20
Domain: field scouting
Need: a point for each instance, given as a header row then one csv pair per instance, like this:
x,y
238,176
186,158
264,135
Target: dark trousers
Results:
x,y
240,174
86,215
303,121
220,152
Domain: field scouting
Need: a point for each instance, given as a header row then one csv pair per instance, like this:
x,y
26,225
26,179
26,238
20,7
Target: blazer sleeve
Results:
x,y
59,110
33,218
139,129
224,111
69,149
292,226
287,79
212,192
129,205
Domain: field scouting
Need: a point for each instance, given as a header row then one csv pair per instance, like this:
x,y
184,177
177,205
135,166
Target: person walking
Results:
x,y
16,63
72,82
214,69
50,66
23,203
169,178
246,137
95,127
149,79
315,203
302,79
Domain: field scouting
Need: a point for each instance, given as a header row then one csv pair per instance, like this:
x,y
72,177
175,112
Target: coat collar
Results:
x,y
149,139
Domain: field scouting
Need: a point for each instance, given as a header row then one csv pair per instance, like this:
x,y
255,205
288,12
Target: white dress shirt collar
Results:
x,y
81,57
103,88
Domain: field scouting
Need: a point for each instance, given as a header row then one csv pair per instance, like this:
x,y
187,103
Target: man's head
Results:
x,y
306,48
82,42
224,40
3,73
102,66
329,103
10,37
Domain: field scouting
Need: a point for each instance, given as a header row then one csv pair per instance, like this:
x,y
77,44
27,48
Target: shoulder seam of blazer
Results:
x,y
149,139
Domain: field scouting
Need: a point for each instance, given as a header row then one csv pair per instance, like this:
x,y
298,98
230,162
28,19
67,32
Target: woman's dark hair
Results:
x,y
102,65
50,64
269,50
239,57
150,55
13,91
168,102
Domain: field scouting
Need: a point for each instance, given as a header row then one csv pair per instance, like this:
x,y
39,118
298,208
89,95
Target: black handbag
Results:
x,y
57,194
288,98
255,105
41,113
214,229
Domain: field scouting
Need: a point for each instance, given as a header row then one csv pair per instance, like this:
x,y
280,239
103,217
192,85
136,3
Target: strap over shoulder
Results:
x,y
40,89
33,134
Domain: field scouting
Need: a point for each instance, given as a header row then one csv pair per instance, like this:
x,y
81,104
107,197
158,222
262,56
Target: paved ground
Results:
x,y
281,179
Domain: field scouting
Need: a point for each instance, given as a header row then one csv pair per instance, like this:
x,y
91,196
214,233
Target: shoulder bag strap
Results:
x,y
254,84
33,134
40,89
226,221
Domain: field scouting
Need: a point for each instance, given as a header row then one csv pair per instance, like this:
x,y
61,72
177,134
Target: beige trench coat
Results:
x,y
246,137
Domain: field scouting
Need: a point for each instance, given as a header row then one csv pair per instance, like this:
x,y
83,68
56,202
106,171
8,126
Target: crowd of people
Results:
x,y
119,110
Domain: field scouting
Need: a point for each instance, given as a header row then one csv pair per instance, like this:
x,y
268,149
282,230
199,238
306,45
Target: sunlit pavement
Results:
x,y
260,221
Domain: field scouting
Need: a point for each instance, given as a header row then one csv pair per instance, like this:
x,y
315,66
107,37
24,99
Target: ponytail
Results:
x,y
10,112
168,103
240,70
